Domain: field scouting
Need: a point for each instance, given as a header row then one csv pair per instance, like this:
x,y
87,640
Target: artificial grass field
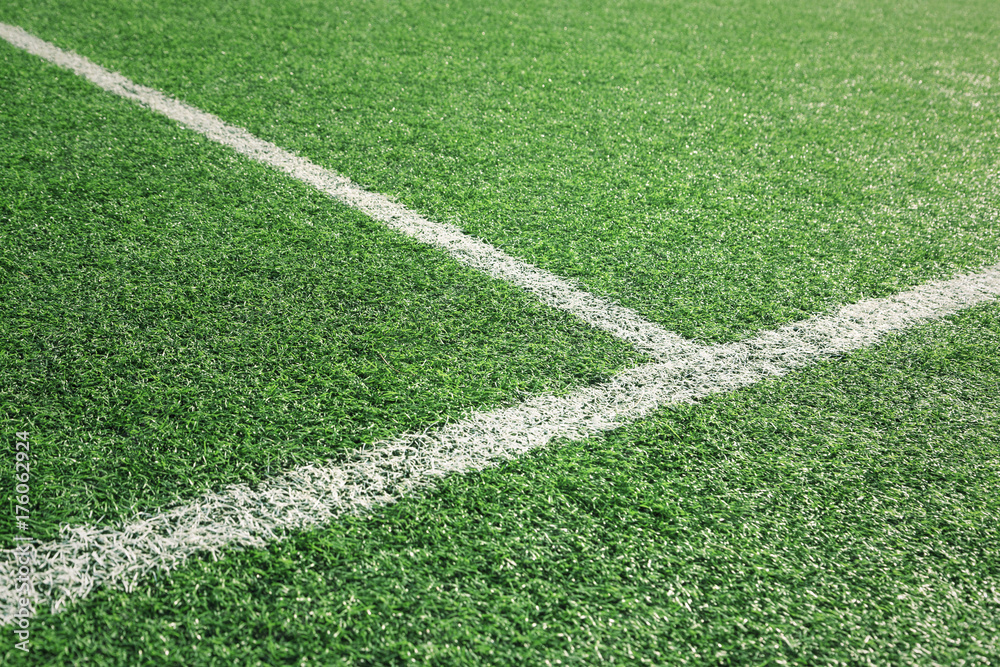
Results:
x,y
720,168
846,514
174,318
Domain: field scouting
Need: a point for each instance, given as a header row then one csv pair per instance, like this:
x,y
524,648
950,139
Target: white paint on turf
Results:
x,y
87,557
552,290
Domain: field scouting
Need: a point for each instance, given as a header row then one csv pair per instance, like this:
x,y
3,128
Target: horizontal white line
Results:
x,y
87,557
617,320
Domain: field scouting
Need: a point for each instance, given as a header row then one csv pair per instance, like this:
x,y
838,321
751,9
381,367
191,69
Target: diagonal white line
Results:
x,y
552,290
87,557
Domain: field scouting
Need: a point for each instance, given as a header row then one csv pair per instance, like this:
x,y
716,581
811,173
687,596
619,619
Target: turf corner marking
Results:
x,y
89,556
556,292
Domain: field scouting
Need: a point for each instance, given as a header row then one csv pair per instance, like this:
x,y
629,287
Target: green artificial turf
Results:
x,y
721,168
845,514
174,318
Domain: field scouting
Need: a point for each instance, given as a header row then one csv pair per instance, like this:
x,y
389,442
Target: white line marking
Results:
x,y
87,557
619,321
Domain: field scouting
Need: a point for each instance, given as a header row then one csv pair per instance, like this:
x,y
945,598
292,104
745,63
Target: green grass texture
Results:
x,y
846,514
721,168
174,318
